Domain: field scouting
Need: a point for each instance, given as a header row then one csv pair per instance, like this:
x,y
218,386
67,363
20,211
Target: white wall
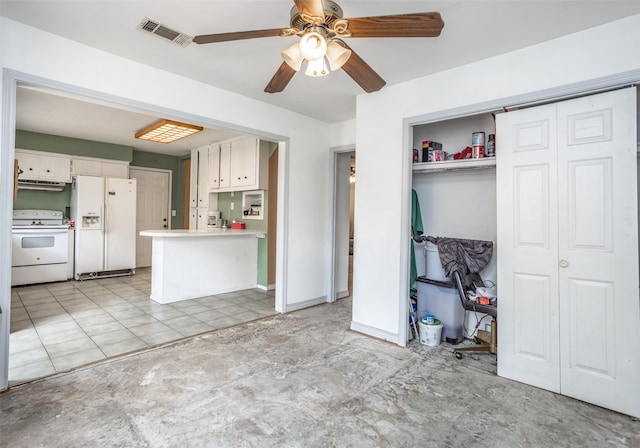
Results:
x,y
342,134
383,148
304,161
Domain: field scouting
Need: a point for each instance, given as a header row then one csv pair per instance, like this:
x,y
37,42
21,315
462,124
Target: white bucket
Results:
x,y
430,334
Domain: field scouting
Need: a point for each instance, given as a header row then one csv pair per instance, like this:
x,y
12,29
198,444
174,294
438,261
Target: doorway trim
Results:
x,y
10,81
331,271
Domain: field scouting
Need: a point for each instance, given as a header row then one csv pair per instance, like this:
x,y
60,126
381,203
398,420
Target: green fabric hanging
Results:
x,y
416,230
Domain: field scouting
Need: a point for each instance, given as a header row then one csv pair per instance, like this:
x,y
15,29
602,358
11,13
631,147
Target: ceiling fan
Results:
x,y
321,28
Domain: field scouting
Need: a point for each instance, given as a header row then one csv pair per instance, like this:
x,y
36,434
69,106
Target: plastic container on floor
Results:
x,y
441,299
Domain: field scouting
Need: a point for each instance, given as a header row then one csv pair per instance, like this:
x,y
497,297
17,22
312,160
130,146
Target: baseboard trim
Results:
x,y
342,294
306,304
377,333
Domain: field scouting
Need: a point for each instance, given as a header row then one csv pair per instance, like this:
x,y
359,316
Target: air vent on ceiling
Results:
x,y
154,27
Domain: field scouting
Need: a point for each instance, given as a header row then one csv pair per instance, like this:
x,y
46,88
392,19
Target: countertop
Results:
x,y
187,233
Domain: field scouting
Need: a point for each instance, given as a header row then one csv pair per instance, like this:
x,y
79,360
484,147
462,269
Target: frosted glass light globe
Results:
x,y
313,46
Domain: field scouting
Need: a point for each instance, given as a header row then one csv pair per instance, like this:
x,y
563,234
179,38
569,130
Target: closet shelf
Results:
x,y
447,165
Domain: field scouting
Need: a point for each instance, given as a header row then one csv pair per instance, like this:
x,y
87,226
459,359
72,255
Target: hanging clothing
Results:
x,y
416,231
462,255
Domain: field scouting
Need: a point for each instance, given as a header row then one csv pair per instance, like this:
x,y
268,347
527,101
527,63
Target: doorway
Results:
x,y
344,188
95,289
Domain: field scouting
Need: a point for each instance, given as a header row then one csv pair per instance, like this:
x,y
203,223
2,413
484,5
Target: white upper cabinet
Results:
x,y
193,183
214,166
35,165
91,166
225,166
244,162
199,192
239,165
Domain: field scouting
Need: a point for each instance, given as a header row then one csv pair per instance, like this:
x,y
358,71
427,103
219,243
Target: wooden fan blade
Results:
x,y
311,8
226,37
280,79
361,73
425,24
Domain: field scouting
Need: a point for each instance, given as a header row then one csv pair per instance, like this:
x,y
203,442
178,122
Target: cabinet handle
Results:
x,y
564,263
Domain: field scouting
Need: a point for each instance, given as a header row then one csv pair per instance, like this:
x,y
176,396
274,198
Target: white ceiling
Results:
x,y
473,30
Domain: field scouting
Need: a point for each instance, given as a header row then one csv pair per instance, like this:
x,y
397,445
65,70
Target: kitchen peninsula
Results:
x,y
186,264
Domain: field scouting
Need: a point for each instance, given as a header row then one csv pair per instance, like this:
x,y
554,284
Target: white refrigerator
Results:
x,y
104,211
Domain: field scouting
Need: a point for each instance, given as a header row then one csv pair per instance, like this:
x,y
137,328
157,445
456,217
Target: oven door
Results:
x,y
30,246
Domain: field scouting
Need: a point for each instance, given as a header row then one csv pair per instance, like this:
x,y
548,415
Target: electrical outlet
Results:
x,y
232,206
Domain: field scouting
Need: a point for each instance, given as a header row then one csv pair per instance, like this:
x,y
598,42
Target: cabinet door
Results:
x,y
28,166
225,165
193,218
193,183
244,163
203,177
214,167
198,218
119,170
55,168
85,167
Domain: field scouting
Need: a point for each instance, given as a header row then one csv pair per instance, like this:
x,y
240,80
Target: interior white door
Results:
x,y
152,210
526,182
598,251
569,315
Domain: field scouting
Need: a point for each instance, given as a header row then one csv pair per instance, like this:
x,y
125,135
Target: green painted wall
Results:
x,y
72,146
87,148
224,205
45,200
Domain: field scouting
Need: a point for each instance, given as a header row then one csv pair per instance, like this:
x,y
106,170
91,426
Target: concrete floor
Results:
x,y
300,380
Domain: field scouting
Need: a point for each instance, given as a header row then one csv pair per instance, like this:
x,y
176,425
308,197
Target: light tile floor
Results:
x,y
59,326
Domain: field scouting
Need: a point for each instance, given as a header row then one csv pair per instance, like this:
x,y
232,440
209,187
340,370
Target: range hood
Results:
x,y
42,185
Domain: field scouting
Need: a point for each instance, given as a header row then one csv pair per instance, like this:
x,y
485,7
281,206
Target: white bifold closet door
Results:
x,y
568,301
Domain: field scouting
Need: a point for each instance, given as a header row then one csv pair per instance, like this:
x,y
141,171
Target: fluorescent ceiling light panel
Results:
x,y
167,131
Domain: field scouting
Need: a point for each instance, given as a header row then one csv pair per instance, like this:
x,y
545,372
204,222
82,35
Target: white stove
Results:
x,y
38,219
39,247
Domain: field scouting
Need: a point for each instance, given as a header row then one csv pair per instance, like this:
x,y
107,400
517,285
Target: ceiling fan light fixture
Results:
x,y
337,54
293,57
313,46
317,68
167,131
